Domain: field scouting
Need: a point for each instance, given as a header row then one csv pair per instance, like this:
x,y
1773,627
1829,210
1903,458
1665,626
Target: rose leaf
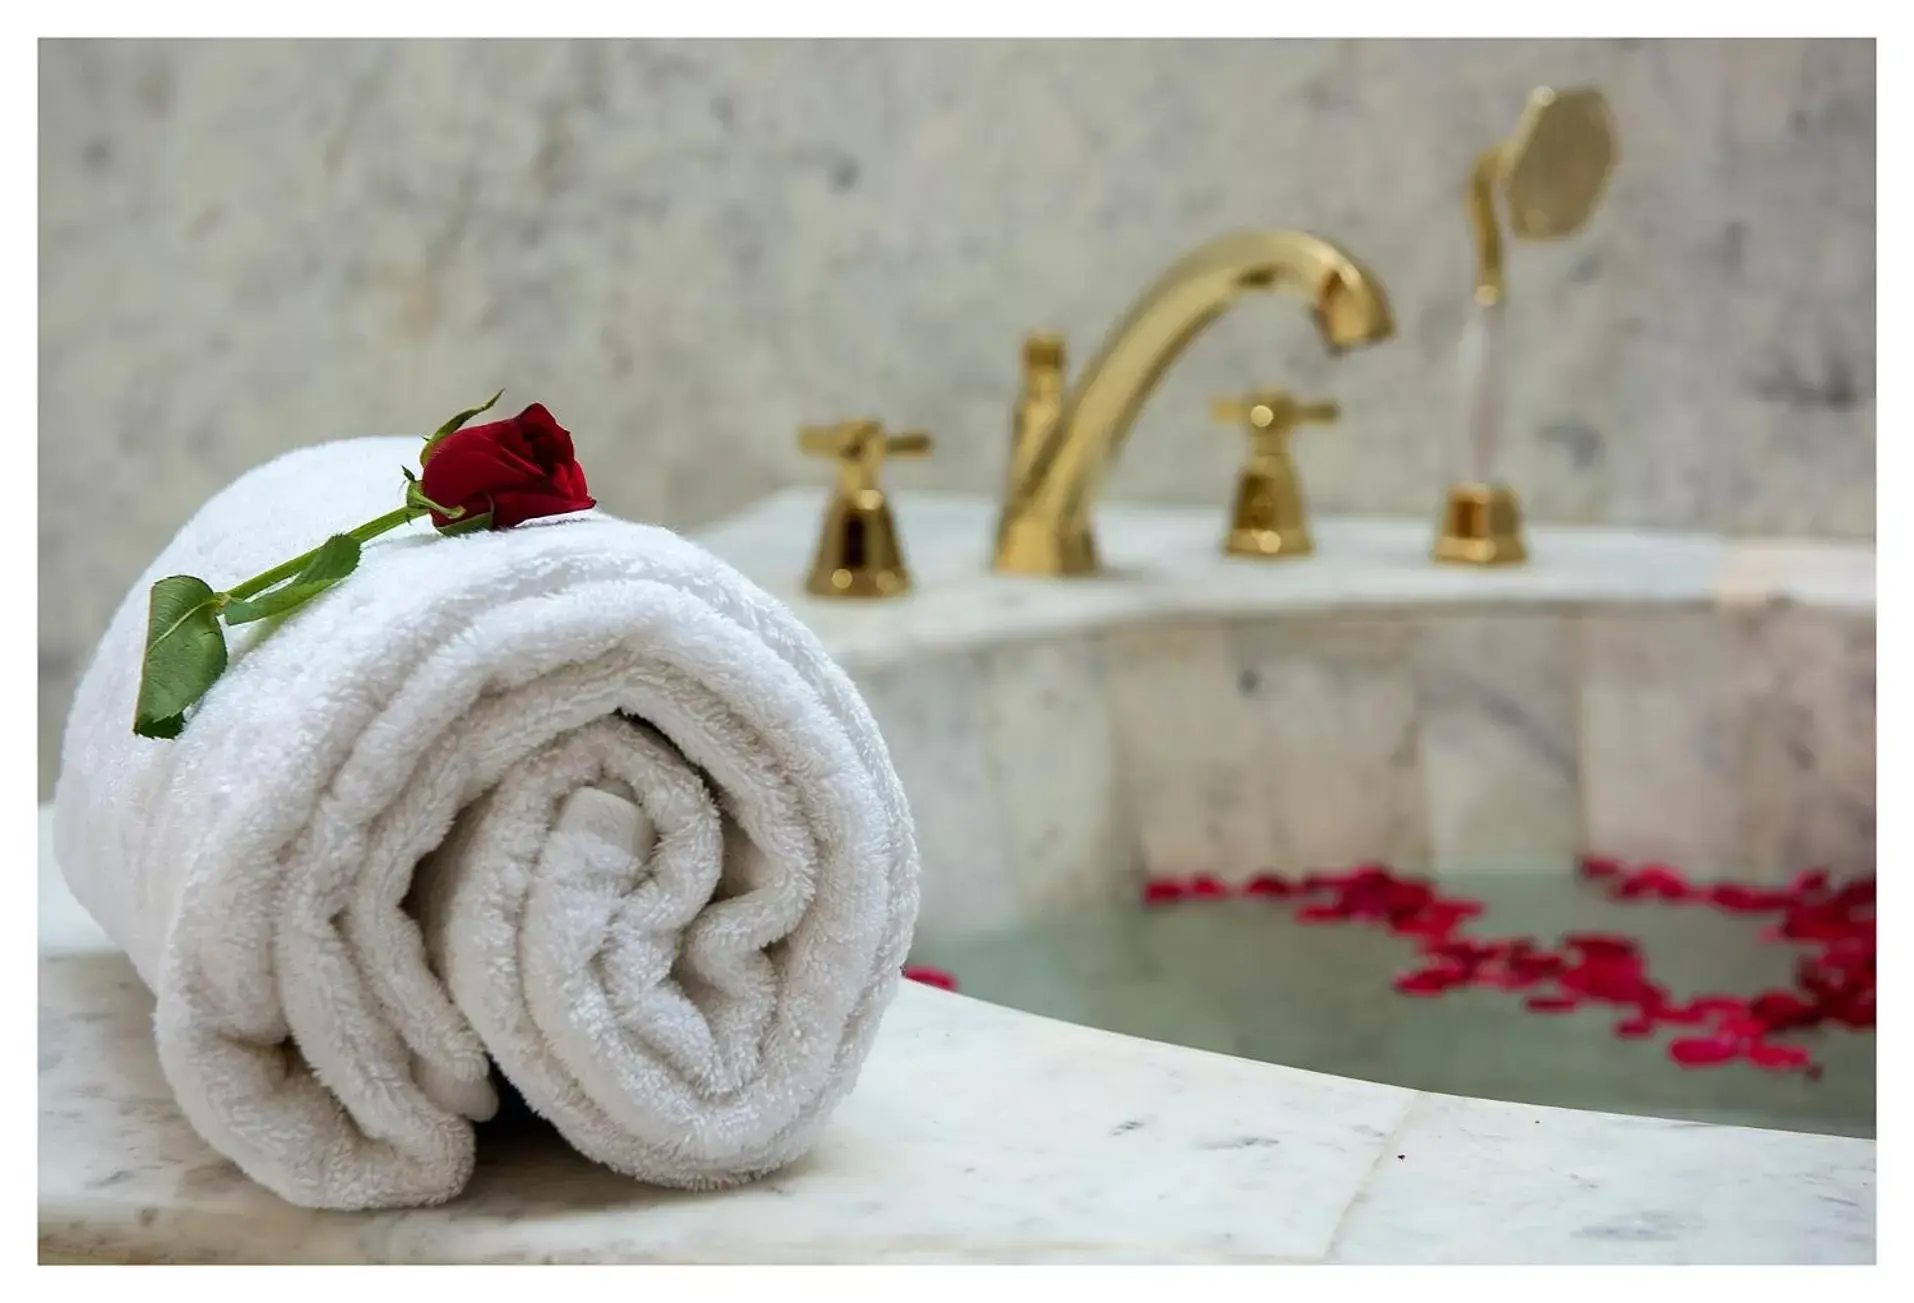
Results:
x,y
185,654
455,423
332,561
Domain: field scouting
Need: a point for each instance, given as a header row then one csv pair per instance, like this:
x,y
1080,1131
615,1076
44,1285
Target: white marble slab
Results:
x,y
1472,1181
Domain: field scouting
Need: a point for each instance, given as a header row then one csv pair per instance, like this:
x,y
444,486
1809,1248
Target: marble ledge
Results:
x,y
975,1134
1166,561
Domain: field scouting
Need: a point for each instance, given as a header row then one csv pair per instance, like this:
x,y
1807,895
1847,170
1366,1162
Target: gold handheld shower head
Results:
x,y
1550,173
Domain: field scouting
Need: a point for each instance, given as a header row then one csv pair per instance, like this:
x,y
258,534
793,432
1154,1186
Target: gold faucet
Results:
x,y
1268,519
858,554
1064,441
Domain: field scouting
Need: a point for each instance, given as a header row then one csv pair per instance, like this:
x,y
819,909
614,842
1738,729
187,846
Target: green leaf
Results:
x,y
331,561
455,423
185,654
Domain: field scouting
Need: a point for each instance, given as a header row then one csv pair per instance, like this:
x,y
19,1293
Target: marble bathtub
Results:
x,y
1654,695
1645,695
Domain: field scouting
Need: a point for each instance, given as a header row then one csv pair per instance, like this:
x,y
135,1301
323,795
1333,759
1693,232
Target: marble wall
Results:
x,y
1733,741
689,248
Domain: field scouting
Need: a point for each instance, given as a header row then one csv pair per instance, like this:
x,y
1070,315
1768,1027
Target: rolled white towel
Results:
x,y
573,797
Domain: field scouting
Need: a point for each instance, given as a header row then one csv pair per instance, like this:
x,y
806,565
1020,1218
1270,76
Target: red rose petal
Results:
x,y
1778,1058
928,976
1697,1052
1834,977
1808,882
1551,1003
1741,899
1429,981
1269,884
1712,1005
1596,867
1601,943
1780,1009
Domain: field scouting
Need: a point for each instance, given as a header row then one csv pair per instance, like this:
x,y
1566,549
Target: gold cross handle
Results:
x,y
1268,518
861,447
1273,412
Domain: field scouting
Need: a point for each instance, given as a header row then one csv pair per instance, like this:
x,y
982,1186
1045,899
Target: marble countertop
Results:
x,y
1167,561
978,1133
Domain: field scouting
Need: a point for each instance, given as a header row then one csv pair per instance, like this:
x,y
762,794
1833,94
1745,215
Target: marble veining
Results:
x,y
928,715
1666,706
1188,747
1044,707
1498,700
1338,738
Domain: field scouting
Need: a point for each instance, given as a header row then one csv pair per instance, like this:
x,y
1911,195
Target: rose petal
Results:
x,y
1712,1005
1601,943
1680,1015
928,976
1696,1052
1551,1003
1599,866
1808,882
1780,1009
1778,1058
1269,884
1161,891
1428,981
1741,899
1206,887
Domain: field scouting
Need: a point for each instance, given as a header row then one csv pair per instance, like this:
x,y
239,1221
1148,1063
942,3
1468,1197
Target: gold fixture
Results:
x,y
1064,442
1268,518
858,554
1550,173
1481,526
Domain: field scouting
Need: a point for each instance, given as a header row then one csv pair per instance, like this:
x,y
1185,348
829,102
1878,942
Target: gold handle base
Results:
x,y
1269,544
1481,526
1267,521
858,554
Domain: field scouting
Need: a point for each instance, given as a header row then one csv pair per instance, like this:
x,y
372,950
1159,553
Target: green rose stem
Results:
x,y
185,647
286,570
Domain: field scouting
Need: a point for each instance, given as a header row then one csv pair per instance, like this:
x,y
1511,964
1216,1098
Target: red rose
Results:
x,y
518,470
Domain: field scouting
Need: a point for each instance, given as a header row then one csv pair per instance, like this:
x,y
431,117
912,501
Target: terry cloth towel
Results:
x,y
574,798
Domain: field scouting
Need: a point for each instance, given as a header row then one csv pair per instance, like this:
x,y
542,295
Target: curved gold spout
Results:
x,y
1066,442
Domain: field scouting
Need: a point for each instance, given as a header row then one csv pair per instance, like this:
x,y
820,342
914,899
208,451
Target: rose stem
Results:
x,y
286,570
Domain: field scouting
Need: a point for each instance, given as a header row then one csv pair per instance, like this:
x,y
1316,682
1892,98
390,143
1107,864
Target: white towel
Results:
x,y
576,798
